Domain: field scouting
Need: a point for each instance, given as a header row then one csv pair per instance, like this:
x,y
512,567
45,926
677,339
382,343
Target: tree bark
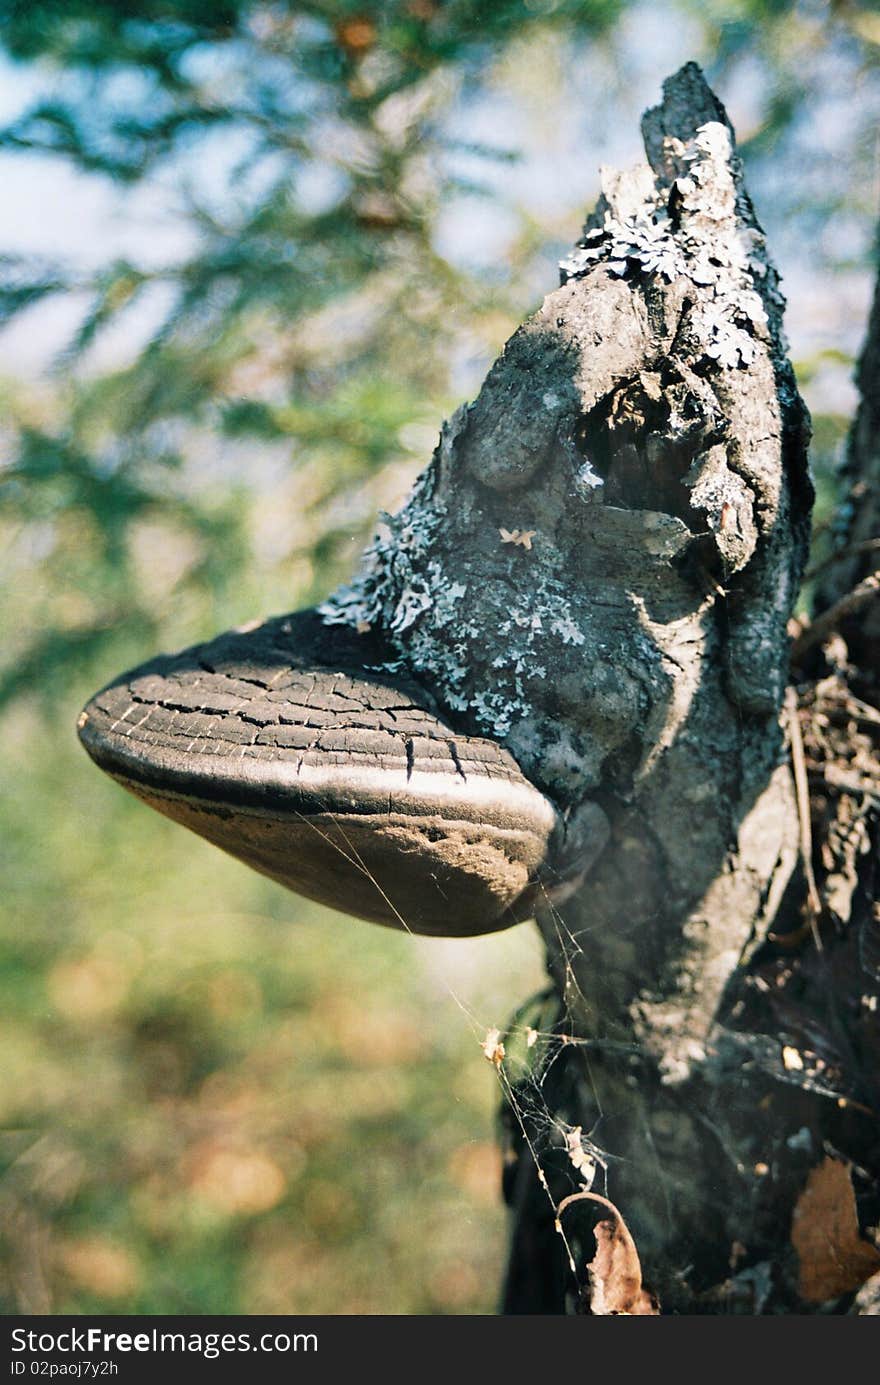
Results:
x,y
752,1179
598,570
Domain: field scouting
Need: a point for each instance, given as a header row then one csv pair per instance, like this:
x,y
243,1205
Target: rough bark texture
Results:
x,y
751,1182
598,569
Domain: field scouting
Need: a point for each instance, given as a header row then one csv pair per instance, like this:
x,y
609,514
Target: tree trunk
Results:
x,y
598,569
739,1134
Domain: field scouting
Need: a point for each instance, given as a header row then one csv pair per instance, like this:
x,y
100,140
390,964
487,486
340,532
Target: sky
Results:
x,y
52,211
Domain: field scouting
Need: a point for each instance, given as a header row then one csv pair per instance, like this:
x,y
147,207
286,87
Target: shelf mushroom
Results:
x,y
286,746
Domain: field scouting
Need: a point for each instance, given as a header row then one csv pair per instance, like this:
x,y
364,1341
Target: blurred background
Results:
x,y
251,254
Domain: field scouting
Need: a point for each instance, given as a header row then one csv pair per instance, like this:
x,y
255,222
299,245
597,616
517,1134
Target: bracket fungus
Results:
x,y
603,550
280,745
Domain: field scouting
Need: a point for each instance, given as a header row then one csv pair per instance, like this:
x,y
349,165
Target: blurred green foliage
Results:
x,y
217,1098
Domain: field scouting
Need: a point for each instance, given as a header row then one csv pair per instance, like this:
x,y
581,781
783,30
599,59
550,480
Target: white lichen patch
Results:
x,y
393,568
565,628
696,231
410,587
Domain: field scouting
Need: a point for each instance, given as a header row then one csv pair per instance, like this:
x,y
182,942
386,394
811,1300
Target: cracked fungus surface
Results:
x,y
248,695
344,787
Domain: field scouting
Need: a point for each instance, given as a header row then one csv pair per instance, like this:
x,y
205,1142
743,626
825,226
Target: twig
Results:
x,y
802,793
848,783
823,624
852,709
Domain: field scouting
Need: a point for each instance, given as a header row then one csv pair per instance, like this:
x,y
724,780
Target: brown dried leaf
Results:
x,y
833,1257
615,1272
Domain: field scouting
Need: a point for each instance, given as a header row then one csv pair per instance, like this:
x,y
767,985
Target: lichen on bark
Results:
x,y
597,569
644,431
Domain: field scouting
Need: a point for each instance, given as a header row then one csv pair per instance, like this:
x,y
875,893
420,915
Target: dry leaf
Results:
x,y
833,1257
493,1048
518,537
615,1272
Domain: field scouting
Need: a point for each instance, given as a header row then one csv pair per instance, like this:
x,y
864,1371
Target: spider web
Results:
x,y
525,1054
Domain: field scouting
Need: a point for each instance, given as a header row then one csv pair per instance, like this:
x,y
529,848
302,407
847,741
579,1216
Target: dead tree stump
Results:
x,y
561,685
598,570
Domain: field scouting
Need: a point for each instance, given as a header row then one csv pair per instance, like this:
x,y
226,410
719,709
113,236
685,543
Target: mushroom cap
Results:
x,y
289,747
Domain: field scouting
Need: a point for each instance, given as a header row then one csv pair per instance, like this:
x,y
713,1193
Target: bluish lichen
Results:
x,y
694,231
408,588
